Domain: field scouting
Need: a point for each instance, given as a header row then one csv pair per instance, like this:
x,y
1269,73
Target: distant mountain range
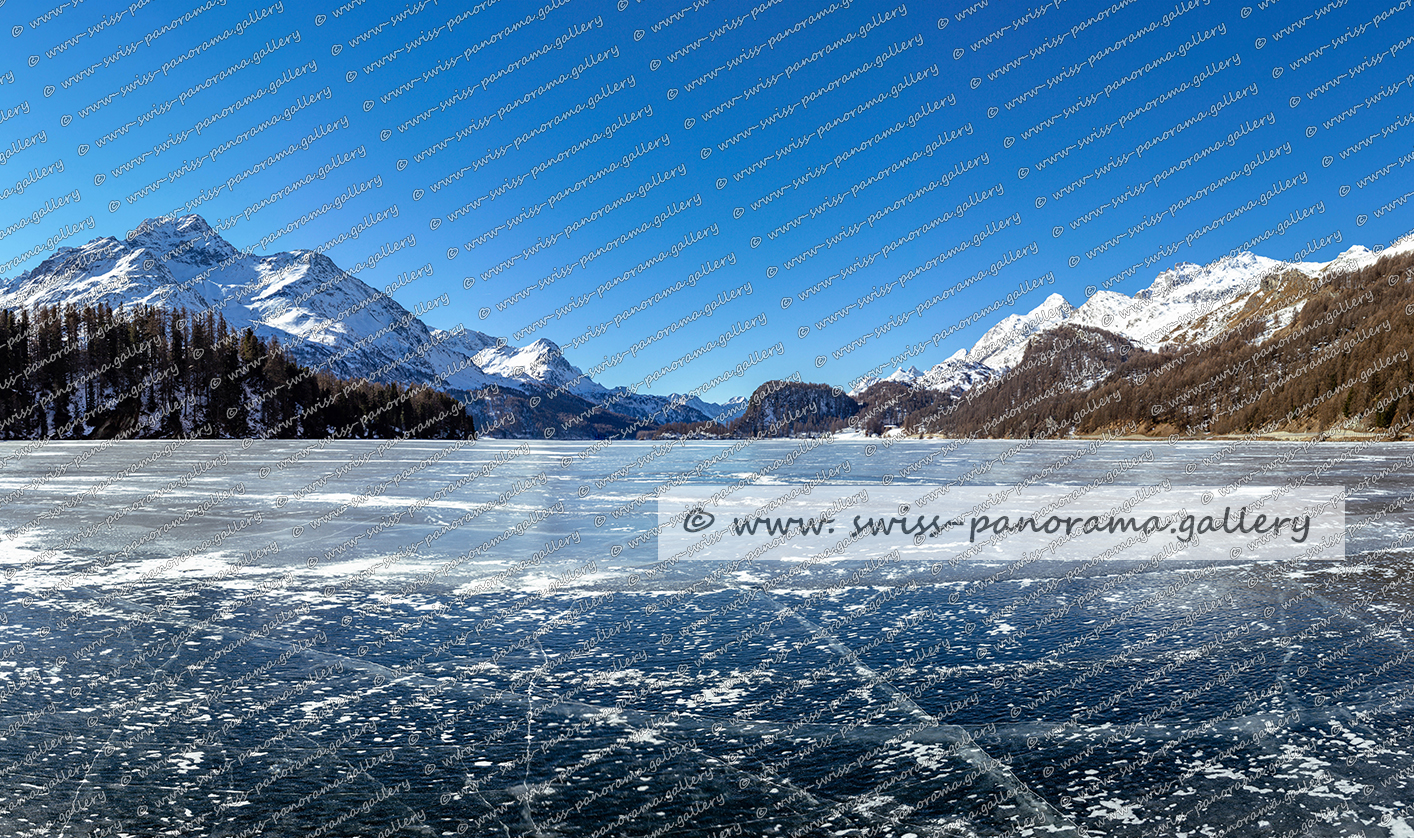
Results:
x,y
1186,305
325,317
1244,345
1105,352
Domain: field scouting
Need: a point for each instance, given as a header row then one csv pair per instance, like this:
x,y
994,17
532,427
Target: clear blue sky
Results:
x,y
822,151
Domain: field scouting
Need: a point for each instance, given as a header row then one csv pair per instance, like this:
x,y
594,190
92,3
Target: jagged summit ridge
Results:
x,y
320,313
1188,303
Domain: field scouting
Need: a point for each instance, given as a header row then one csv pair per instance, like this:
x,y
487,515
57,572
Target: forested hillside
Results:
x,y
94,372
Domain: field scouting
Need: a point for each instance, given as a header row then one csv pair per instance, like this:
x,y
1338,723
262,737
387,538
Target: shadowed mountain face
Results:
x,y
327,318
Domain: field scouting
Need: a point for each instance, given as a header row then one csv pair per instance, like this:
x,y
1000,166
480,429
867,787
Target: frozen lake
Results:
x,y
365,639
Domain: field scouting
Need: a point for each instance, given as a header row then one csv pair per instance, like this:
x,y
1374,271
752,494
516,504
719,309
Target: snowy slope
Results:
x,y
1003,345
1186,304
956,375
321,314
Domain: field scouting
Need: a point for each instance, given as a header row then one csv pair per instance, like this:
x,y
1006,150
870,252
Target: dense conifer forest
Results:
x,y
97,373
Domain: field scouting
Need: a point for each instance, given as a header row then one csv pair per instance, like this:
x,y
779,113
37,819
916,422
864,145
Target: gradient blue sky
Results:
x,y
883,135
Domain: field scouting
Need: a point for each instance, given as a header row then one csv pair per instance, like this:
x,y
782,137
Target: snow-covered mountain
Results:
x,y
955,375
322,315
724,412
1003,345
1186,304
